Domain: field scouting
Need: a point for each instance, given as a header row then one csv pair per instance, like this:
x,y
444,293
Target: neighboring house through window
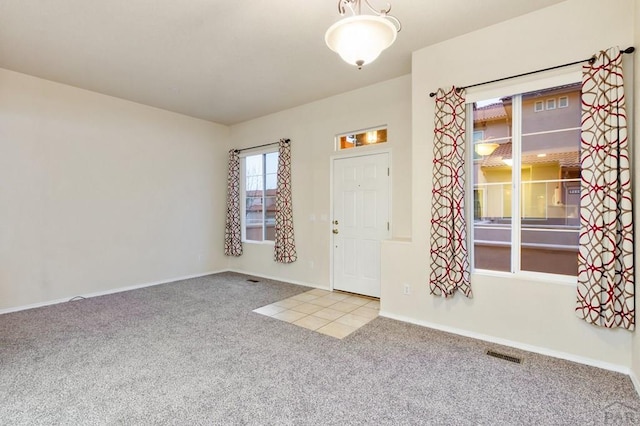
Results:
x,y
527,191
259,182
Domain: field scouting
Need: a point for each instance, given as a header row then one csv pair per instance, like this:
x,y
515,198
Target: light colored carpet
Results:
x,y
192,352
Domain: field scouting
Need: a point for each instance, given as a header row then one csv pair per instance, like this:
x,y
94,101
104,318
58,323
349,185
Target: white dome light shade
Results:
x,y
486,148
360,39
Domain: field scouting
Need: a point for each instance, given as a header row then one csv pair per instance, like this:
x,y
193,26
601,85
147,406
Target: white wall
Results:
x,y
530,314
98,193
312,129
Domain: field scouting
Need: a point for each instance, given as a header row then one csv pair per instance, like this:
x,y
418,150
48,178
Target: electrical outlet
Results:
x,y
407,289
311,264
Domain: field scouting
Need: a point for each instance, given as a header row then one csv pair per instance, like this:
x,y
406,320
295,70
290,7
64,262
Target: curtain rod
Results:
x,y
590,60
262,146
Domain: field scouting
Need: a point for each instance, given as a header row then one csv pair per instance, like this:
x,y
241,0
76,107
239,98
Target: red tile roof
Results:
x,y
489,112
564,159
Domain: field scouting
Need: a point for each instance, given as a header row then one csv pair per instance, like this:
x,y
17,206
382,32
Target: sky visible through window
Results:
x,y
254,172
486,102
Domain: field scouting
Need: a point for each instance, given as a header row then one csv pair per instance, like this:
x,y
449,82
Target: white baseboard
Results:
x,y
284,280
518,345
105,292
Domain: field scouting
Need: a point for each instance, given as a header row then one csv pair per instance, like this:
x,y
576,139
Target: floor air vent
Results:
x,y
251,280
504,357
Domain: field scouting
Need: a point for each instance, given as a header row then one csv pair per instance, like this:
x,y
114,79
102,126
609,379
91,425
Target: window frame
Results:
x,y
550,104
243,193
569,75
566,102
536,104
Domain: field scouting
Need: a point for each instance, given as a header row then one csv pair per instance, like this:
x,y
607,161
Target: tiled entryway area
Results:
x,y
331,313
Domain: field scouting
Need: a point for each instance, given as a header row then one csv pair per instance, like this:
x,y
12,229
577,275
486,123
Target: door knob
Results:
x,y
335,231
335,222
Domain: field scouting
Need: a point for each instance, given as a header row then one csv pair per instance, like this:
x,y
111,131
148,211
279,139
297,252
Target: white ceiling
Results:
x,y
223,61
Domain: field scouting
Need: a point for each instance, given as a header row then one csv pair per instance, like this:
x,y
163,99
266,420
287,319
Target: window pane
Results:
x,y
271,161
270,217
254,218
260,190
550,190
492,184
271,182
254,173
253,165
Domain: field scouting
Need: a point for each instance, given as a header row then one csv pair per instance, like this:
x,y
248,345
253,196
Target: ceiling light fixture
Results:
x,y
486,148
359,39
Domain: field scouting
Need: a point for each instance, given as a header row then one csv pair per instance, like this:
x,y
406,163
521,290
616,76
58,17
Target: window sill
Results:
x,y
566,280
261,243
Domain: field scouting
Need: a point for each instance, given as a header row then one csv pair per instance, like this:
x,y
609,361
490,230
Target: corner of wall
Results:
x,y
634,103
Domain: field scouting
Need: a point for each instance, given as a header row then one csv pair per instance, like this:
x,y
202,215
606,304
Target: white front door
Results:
x,y
360,221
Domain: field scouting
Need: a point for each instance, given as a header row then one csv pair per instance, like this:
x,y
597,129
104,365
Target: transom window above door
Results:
x,y
360,138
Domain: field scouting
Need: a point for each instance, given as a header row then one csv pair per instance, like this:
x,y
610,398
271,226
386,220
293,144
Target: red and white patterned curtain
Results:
x,y
606,285
285,244
232,230
449,255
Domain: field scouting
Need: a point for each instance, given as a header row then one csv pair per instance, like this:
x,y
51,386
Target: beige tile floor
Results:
x,y
332,313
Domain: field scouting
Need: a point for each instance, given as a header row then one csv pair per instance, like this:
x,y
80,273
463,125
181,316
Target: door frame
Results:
x,y
342,156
